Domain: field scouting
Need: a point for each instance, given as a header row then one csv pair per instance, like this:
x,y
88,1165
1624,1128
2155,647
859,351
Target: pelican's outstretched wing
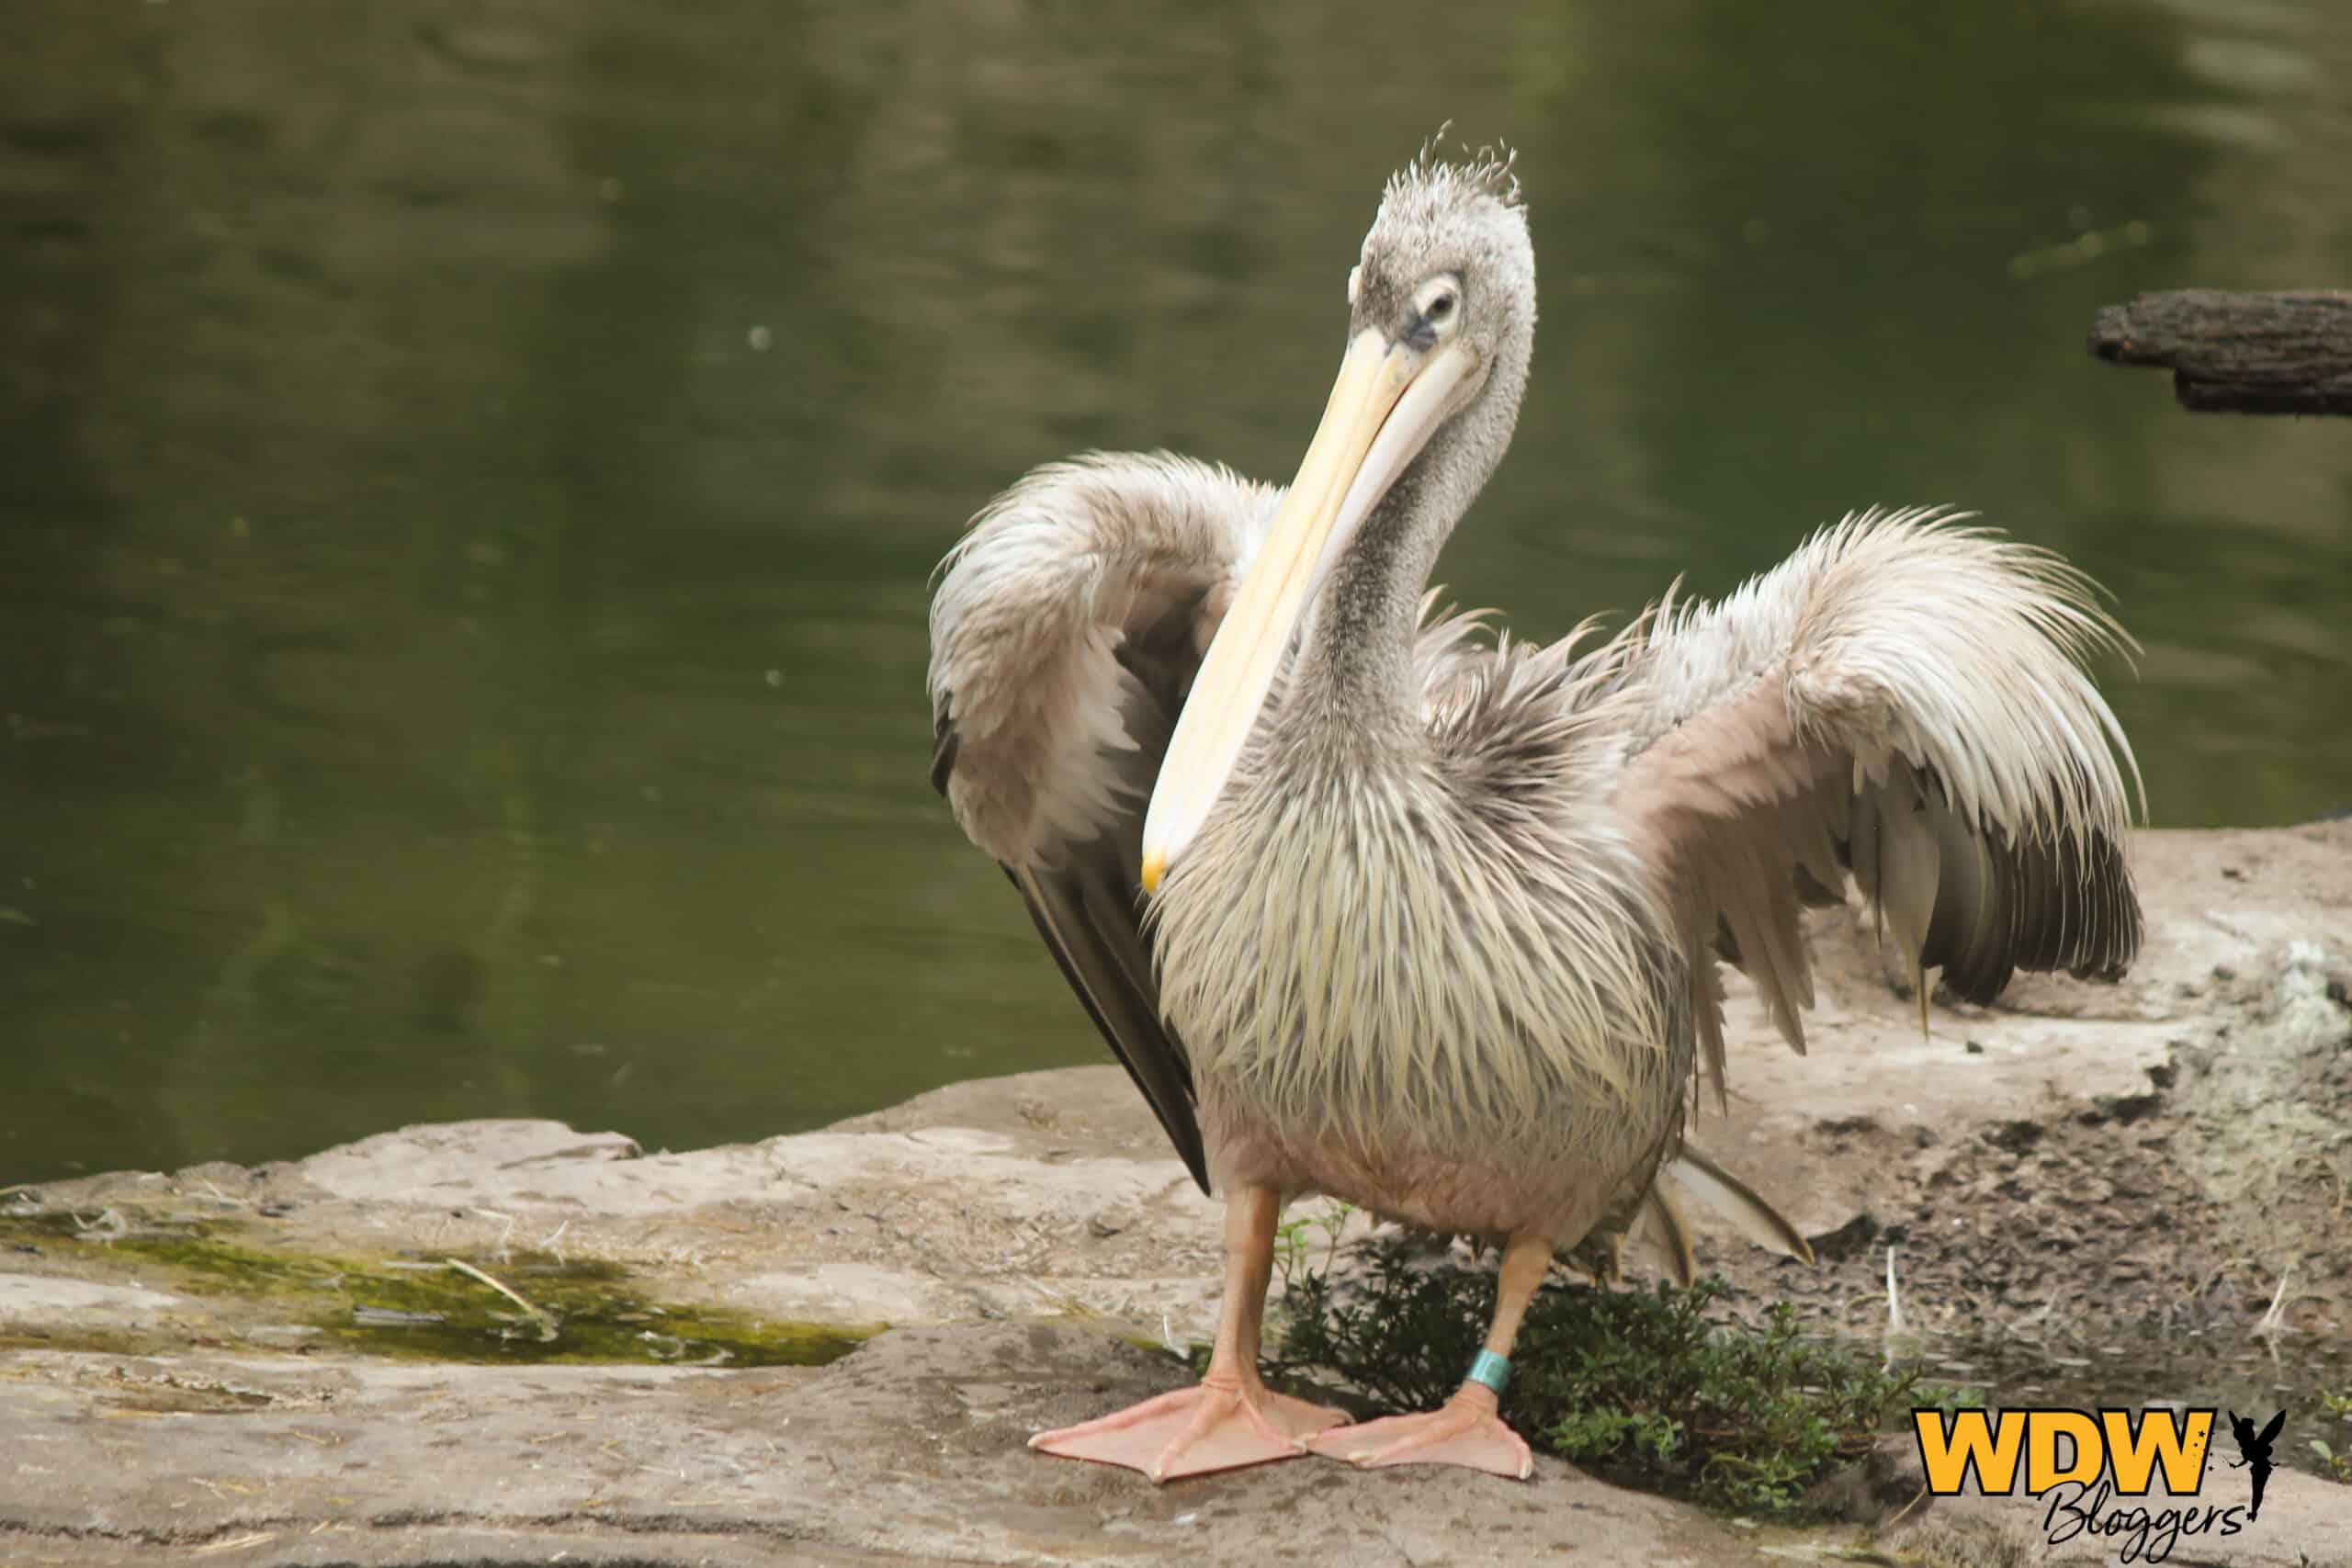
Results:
x,y
1064,634
1902,697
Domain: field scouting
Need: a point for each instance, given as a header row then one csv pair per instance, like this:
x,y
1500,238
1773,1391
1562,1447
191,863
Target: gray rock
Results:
x,y
910,1451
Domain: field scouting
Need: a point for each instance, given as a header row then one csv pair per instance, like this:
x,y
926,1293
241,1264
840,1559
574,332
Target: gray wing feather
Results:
x,y
1068,627
1087,916
1693,1174
1659,1223
1902,698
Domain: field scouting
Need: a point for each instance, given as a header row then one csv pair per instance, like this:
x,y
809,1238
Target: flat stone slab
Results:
x,y
35,1298
909,1451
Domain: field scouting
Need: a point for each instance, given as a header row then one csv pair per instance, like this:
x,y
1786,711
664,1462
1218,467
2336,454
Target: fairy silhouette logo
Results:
x,y
2089,1466
2253,1454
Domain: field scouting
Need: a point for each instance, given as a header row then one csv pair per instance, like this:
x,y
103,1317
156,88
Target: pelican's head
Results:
x,y
1442,322
1447,283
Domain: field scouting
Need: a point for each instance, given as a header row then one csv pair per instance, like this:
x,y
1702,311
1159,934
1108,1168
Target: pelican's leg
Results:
x,y
1464,1430
1232,1418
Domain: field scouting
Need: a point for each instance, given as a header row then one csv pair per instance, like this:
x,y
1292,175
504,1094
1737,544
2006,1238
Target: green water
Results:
x,y
469,471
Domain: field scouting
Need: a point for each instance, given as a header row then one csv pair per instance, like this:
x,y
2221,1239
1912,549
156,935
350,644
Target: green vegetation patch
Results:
x,y
527,1309
1637,1386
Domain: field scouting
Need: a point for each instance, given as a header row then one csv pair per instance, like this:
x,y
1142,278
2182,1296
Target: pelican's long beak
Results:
x,y
1390,398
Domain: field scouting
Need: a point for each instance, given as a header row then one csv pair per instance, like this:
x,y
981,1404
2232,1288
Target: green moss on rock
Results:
x,y
416,1308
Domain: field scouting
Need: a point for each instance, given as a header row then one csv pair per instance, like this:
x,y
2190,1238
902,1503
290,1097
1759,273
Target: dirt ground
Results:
x,y
2209,1212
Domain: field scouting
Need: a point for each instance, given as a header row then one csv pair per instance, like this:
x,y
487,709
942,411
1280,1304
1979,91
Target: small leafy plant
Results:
x,y
2338,1407
1638,1386
1293,1245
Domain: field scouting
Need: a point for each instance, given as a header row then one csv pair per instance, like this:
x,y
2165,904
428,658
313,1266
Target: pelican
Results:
x,y
1372,905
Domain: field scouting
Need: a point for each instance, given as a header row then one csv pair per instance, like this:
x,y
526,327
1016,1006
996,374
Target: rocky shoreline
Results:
x,y
278,1365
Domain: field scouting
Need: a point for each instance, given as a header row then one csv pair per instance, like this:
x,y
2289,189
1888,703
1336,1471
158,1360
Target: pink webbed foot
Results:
x,y
1464,1430
1221,1425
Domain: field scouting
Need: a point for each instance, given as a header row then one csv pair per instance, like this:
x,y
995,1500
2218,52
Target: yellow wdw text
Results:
x,y
2176,1439
1972,1441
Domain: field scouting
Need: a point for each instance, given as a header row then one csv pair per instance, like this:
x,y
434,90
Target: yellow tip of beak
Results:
x,y
1153,864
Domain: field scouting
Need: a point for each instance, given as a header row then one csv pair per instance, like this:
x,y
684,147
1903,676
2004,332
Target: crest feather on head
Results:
x,y
1487,170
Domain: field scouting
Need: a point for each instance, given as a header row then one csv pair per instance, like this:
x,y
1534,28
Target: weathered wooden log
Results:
x,y
2239,353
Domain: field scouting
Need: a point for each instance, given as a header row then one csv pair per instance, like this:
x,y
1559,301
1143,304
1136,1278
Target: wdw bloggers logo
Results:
x,y
2094,1468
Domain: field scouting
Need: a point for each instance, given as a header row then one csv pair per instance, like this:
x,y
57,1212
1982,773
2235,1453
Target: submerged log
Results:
x,y
2287,352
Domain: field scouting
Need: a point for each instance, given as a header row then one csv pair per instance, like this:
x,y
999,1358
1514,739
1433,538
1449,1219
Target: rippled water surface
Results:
x,y
468,472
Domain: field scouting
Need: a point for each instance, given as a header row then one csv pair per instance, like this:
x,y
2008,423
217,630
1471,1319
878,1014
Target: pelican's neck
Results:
x,y
1355,668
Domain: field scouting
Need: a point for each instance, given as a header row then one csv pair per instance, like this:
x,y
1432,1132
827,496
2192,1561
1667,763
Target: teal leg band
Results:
x,y
1492,1371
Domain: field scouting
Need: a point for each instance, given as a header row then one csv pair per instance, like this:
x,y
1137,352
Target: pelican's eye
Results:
x,y
1437,309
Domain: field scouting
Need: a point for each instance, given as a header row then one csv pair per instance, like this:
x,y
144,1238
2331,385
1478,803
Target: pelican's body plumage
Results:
x,y
1426,971
1432,923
